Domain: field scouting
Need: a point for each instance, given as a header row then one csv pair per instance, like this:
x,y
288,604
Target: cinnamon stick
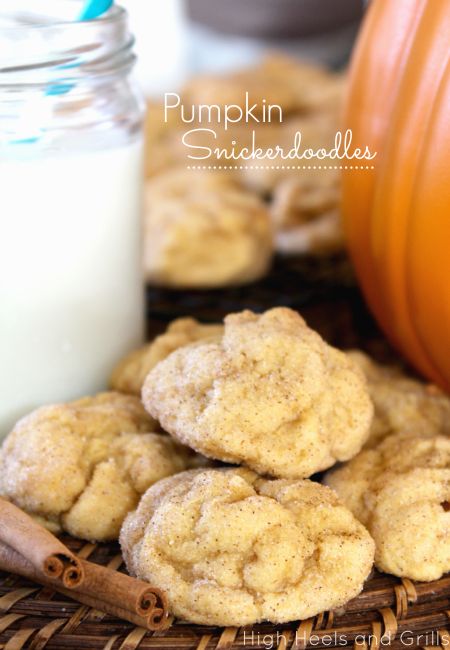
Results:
x,y
114,587
154,619
36,544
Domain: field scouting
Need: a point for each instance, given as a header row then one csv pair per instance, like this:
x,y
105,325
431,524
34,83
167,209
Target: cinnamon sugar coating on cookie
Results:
x,y
401,491
82,466
130,373
230,548
270,394
402,404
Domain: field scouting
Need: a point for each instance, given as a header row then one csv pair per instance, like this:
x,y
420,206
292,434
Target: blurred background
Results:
x,y
187,37
294,52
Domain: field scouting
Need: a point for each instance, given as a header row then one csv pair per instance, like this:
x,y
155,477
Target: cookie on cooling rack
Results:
x,y
401,491
82,466
270,394
230,548
402,404
201,230
130,373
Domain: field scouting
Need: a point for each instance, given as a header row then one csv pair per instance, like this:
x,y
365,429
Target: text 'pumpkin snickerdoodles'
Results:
x,y
269,393
230,548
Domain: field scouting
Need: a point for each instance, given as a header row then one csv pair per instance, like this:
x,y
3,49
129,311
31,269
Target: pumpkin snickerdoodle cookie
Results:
x,y
230,548
130,373
82,466
401,491
270,394
202,230
402,404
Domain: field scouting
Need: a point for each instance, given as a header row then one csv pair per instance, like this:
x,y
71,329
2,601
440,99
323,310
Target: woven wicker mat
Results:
x,y
388,610
407,614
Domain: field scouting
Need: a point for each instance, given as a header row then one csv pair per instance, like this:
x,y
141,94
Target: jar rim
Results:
x,y
66,51
112,15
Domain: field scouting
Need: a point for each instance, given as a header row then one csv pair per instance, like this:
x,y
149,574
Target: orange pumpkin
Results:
x,y
397,216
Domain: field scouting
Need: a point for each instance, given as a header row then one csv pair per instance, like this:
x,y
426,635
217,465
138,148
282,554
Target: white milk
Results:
x,y
71,296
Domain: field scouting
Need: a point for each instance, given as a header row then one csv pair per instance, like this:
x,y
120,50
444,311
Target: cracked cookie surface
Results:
x,y
402,404
130,373
270,394
401,491
82,466
230,548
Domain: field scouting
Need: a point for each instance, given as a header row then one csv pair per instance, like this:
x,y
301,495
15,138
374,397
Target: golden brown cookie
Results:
x,y
270,394
300,199
82,466
304,193
320,236
130,373
401,491
305,213
230,548
402,404
201,230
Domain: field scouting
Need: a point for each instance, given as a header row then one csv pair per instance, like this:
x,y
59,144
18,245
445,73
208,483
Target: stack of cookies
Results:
x,y
399,485
205,228
208,478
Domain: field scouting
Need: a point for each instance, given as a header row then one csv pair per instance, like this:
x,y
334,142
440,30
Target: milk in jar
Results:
x,y
71,294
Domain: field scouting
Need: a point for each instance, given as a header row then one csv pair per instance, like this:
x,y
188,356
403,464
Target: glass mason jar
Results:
x,y
71,294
